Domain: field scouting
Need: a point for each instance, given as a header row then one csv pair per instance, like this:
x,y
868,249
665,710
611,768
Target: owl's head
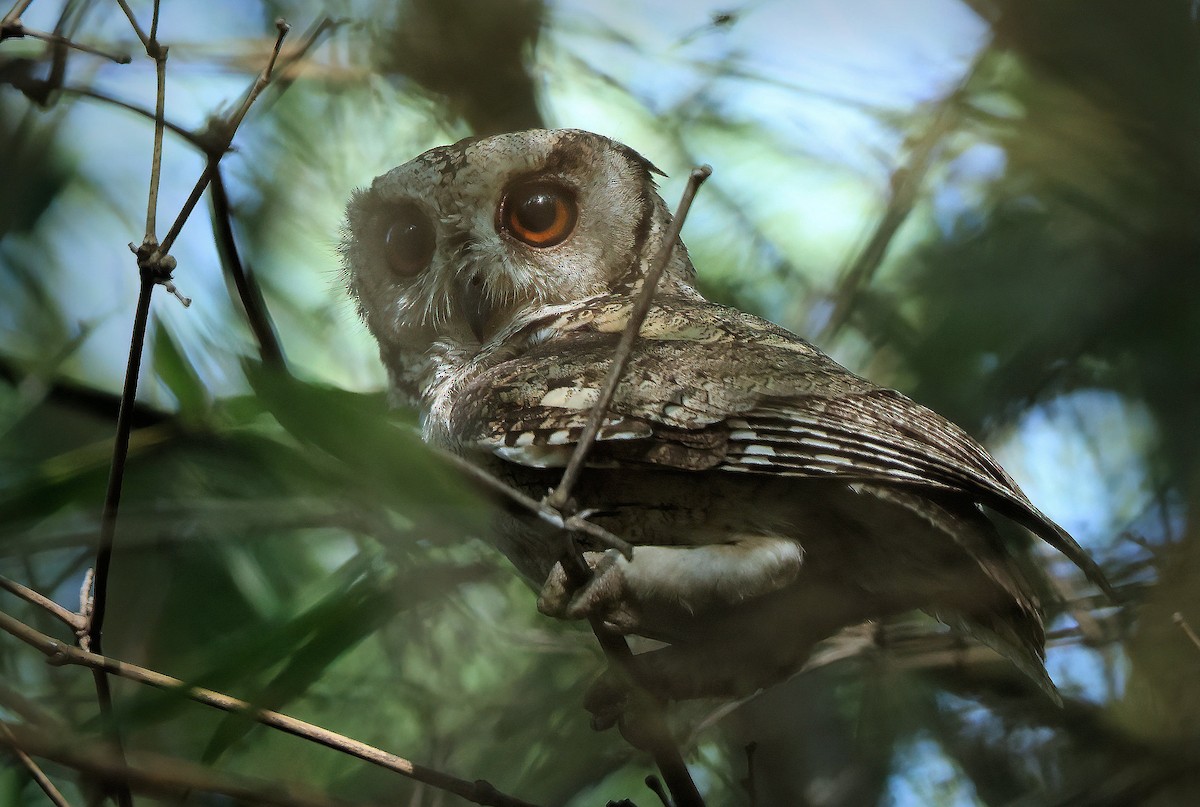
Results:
x,y
465,241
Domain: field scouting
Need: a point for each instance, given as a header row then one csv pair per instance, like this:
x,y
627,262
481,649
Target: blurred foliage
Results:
x,y
288,540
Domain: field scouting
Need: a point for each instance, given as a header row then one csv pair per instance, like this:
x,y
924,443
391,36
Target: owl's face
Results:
x,y
449,252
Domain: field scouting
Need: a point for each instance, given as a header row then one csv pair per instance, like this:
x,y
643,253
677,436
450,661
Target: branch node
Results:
x,y
58,655
157,267
171,287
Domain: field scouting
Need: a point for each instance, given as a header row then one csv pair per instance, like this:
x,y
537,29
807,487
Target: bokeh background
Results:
x,y
991,205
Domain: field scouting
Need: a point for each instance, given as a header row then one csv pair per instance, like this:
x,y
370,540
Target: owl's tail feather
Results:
x,y
997,633
1021,511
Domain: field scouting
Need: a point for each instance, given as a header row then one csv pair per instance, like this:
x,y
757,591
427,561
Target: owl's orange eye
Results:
x,y
541,214
409,241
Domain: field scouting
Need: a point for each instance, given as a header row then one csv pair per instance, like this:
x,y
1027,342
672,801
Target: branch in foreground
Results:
x,y
248,290
653,733
35,772
59,653
72,620
544,511
155,775
562,494
14,29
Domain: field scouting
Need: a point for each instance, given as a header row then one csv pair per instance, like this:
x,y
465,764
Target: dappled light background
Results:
x,y
990,205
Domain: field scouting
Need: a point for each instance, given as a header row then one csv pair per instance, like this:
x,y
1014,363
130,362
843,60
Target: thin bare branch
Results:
x,y
249,293
160,69
14,14
230,127
72,620
17,704
653,732
1186,627
92,638
59,653
87,92
35,772
137,29
576,522
154,774
154,25
562,494
11,28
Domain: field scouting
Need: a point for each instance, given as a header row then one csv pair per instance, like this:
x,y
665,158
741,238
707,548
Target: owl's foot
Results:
x,y
603,596
664,587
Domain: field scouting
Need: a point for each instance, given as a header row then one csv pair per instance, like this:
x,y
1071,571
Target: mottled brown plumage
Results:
x,y
773,496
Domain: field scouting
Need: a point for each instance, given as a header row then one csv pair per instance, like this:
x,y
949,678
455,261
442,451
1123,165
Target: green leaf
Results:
x,y
174,369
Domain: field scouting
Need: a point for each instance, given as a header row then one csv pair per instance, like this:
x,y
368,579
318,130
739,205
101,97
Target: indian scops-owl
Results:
x,y
773,497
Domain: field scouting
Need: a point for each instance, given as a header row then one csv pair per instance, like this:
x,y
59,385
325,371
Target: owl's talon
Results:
x,y
603,596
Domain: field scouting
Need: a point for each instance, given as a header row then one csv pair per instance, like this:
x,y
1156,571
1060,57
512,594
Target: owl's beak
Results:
x,y
475,308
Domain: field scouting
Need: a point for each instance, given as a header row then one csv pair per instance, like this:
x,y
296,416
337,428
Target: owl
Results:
x,y
772,496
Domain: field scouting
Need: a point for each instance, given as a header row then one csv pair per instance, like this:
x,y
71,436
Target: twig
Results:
x,y
59,653
18,31
14,14
159,54
92,639
905,182
137,29
87,92
562,494
247,287
35,772
655,735
542,510
155,265
11,27
156,775
1183,624
230,127
17,704
72,620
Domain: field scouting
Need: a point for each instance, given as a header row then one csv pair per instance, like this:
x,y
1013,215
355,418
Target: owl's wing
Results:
x,y
708,387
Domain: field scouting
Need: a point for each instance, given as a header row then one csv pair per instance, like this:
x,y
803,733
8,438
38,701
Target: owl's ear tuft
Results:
x,y
637,159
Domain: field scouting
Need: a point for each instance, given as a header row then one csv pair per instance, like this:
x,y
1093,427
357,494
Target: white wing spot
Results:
x,y
571,397
534,456
765,451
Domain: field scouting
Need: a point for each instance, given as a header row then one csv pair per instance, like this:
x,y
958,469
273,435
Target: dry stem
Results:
x,y
59,653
